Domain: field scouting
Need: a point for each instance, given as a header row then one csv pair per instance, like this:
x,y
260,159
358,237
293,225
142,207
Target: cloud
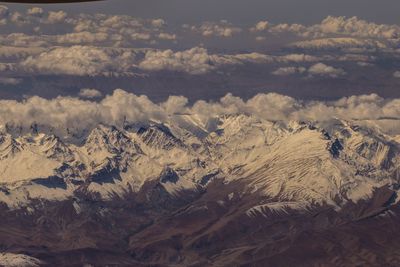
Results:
x,y
337,27
167,36
59,27
11,52
216,29
324,70
260,26
356,27
127,31
84,44
80,61
76,60
35,11
339,43
334,33
56,17
196,60
86,60
159,23
9,81
318,69
297,58
284,71
24,40
297,29
6,67
120,107
140,36
396,74
82,38
69,112
90,93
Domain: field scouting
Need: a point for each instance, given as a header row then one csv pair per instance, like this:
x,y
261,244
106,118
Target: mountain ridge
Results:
x,y
164,194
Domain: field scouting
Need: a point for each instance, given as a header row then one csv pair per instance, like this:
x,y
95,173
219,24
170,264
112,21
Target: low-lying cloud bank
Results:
x,y
41,42
122,107
94,61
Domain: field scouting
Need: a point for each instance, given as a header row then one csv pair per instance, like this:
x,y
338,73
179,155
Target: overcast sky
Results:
x,y
246,11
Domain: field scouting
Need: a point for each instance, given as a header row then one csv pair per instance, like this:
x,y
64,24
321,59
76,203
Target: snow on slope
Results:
x,y
294,162
18,260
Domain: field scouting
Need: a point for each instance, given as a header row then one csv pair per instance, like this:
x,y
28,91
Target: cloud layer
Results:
x,y
58,43
37,27
52,53
122,107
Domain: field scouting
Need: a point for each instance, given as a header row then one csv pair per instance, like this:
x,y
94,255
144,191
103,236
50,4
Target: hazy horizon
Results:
x,y
240,11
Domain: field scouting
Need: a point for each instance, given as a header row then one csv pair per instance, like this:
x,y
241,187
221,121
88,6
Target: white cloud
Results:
x,y
335,32
140,36
24,40
126,31
19,19
51,49
297,58
79,60
356,27
90,93
103,30
325,70
340,27
318,69
196,60
91,61
35,11
12,52
158,23
115,109
7,67
56,17
216,29
260,26
289,28
339,43
396,74
76,60
284,71
84,60
58,27
167,36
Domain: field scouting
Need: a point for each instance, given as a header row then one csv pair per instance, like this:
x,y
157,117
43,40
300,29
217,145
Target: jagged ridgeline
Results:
x,y
239,190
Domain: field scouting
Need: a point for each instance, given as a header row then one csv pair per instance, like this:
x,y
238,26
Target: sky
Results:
x,y
104,62
244,11
202,50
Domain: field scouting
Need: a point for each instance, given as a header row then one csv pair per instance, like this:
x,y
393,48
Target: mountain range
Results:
x,y
234,191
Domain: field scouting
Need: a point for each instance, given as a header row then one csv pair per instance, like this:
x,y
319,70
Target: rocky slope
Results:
x,y
235,191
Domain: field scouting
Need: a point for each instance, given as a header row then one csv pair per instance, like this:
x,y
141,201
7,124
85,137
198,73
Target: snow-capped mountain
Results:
x,y
232,174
